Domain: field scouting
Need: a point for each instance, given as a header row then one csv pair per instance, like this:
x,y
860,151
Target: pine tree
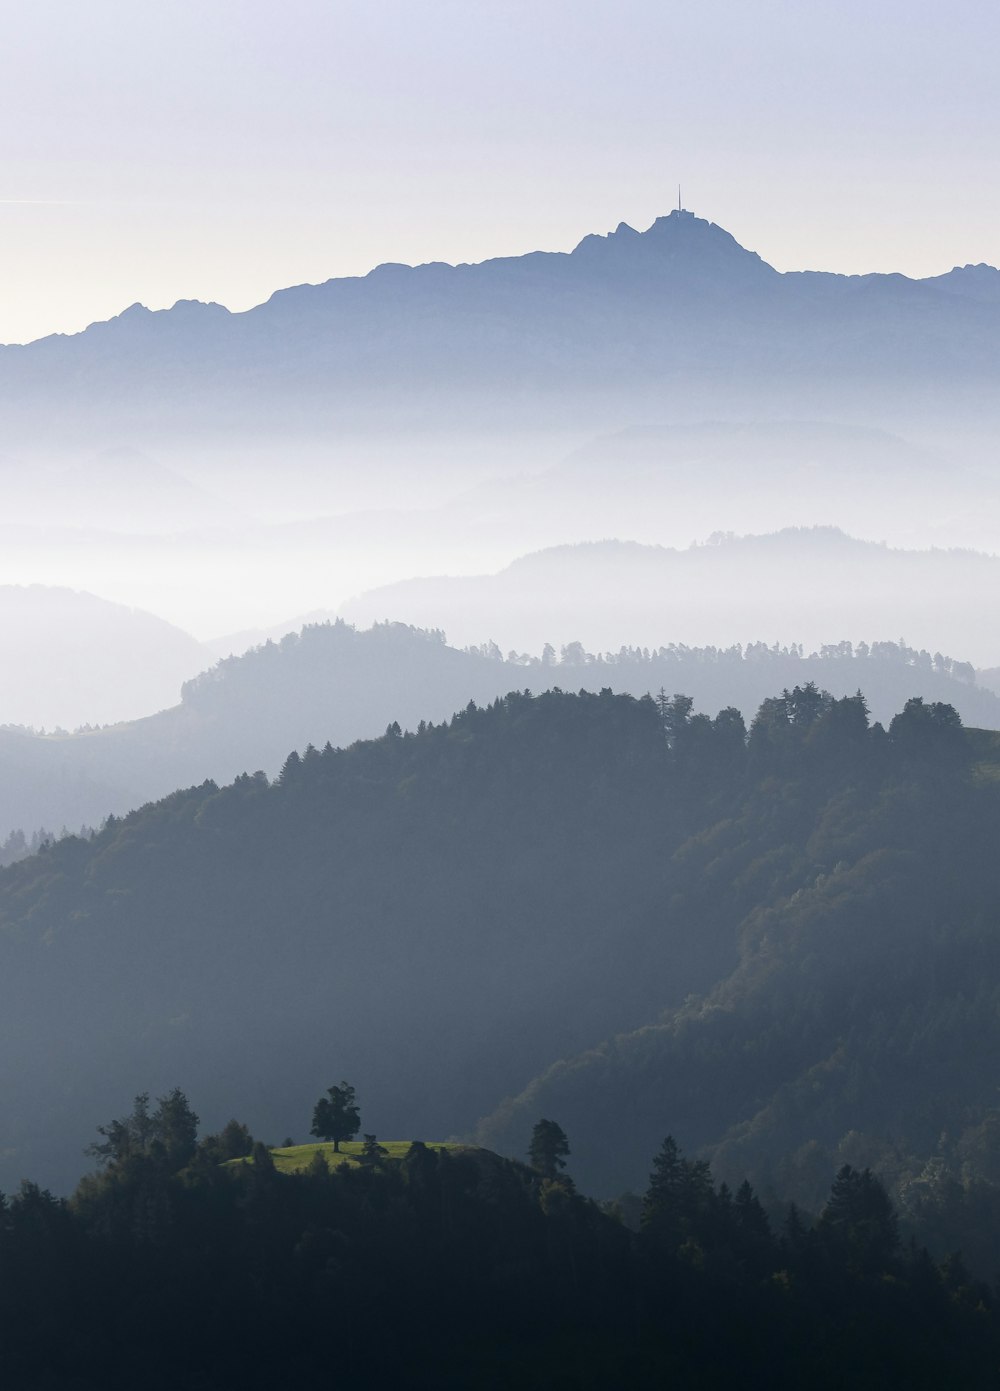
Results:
x,y
549,1149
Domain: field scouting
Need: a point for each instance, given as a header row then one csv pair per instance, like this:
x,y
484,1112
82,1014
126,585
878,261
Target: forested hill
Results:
x,y
334,683
861,1023
440,915
436,1270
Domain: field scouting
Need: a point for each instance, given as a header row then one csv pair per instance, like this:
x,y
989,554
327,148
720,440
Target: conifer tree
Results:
x,y
549,1149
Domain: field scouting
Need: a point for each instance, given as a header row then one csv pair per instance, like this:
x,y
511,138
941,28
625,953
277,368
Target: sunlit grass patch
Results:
x,y
290,1159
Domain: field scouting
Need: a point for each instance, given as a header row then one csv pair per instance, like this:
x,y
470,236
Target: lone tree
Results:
x,y
549,1148
336,1116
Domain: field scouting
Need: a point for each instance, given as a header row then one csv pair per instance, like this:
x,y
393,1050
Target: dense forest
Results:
x,y
334,683
447,1269
787,933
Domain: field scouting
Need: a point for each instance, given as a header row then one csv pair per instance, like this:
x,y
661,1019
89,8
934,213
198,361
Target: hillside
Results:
x,y
442,1269
70,658
333,683
808,583
432,915
296,1159
859,1024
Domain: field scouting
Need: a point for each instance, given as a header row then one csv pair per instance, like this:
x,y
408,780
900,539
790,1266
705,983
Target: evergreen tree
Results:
x,y
175,1129
549,1149
372,1153
859,1221
680,1202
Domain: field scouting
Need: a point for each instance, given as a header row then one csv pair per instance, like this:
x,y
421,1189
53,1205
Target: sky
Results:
x,y
225,149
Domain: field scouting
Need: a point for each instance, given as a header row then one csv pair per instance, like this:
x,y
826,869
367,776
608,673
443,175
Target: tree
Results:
x,y
175,1129
168,1134
859,1220
548,1149
372,1153
336,1116
125,1135
680,1201
234,1141
922,730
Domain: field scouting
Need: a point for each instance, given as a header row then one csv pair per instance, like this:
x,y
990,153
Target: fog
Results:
x,y
229,472
234,544
216,543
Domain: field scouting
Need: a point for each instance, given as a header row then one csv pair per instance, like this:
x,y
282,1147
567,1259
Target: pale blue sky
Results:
x,y
223,149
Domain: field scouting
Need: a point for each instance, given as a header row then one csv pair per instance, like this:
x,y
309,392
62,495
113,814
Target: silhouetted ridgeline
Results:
x,y
679,318
812,584
332,683
447,912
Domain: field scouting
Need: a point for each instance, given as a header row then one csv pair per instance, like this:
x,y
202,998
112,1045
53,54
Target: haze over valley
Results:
x,y
500,697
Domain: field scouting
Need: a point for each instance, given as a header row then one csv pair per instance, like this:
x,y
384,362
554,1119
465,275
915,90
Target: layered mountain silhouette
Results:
x,y
678,318
801,583
446,913
332,683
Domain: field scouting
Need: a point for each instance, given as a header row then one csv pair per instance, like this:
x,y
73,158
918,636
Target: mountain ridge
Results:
x,y
680,317
622,238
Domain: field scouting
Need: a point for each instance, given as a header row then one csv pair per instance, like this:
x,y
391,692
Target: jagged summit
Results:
x,y
679,242
609,330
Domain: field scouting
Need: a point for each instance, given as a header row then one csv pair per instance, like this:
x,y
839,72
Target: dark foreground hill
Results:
x,y
437,1271
441,915
332,683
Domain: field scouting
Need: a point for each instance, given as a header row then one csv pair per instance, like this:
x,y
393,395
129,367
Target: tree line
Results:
x,y
445,1269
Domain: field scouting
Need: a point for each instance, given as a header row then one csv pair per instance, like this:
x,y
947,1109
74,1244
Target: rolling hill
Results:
x,y
802,583
333,683
780,923
71,658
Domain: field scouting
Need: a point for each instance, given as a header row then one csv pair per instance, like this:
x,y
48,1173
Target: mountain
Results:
x,y
120,490
665,484
673,320
440,915
367,514
71,658
859,1023
804,583
331,682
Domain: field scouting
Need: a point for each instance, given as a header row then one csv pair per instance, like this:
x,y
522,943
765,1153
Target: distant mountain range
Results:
x,y
803,584
676,320
299,535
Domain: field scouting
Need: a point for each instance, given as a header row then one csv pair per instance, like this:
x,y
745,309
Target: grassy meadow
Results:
x,y
291,1158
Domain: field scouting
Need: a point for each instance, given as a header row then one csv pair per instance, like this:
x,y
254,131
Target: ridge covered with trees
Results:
x,y
443,1269
449,911
331,682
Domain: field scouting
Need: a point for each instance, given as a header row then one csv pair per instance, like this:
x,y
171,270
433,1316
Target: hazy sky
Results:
x,y
223,149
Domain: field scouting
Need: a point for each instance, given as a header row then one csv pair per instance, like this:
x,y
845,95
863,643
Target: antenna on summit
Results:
x,y
679,208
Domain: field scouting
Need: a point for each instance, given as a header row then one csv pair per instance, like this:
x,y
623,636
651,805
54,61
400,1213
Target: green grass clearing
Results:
x,y
295,1157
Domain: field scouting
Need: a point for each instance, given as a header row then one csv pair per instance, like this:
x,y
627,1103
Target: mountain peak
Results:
x,y
679,241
